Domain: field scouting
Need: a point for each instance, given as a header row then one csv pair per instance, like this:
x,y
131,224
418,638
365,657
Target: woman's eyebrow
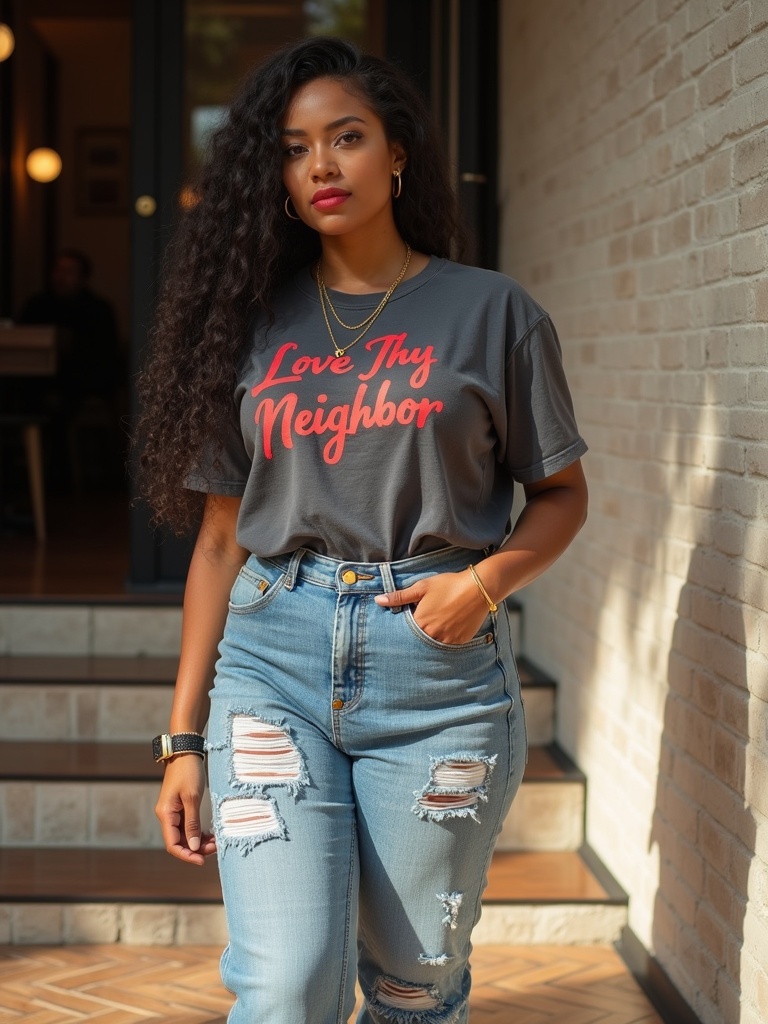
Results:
x,y
349,119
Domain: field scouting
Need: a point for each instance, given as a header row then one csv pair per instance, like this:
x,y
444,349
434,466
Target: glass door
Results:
x,y
189,55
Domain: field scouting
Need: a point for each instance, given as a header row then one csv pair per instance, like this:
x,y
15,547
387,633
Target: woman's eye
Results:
x,y
294,150
346,137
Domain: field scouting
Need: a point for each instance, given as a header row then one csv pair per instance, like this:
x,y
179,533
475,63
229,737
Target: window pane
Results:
x,y
223,40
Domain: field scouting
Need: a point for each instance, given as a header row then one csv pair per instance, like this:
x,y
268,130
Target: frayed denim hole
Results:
x,y
407,1003
402,995
451,901
433,960
456,785
263,754
245,821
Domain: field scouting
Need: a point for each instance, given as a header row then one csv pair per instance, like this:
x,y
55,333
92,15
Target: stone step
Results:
x,y
146,897
74,793
125,699
122,628
63,629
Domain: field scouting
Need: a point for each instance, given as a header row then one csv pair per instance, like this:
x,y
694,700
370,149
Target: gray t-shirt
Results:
x,y
414,438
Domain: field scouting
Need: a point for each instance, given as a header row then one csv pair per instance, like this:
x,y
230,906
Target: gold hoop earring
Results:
x,y
287,211
397,184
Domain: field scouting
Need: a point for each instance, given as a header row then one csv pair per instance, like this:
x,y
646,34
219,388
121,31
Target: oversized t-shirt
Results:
x,y
409,442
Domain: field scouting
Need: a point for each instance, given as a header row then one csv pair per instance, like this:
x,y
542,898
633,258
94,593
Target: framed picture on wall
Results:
x,y
102,171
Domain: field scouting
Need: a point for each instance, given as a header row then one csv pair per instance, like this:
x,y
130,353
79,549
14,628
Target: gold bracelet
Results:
x,y
491,606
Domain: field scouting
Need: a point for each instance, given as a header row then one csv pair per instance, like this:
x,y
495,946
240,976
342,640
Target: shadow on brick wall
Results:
x,y
702,823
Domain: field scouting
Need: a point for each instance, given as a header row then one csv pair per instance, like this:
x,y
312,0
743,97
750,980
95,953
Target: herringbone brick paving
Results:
x,y
180,985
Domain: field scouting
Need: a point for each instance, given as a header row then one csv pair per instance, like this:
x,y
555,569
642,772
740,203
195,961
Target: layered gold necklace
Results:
x,y
364,325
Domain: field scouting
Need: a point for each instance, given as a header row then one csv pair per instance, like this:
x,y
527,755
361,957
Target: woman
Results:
x,y
356,407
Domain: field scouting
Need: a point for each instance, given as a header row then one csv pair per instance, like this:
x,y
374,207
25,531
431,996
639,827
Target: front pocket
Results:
x,y
482,638
257,585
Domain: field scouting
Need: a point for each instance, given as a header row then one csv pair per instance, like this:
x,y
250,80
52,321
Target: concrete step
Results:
x,y
123,699
122,628
72,629
145,897
74,793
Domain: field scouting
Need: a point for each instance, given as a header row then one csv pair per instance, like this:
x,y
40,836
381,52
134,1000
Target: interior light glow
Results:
x,y
7,41
43,164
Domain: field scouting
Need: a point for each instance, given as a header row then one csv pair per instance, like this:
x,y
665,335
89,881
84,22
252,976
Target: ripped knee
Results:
x,y
408,1003
456,786
264,754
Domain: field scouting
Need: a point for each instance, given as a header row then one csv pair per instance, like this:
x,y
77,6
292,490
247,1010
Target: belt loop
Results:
x,y
293,567
389,582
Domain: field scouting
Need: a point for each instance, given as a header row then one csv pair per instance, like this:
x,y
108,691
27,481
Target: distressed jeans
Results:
x,y
359,772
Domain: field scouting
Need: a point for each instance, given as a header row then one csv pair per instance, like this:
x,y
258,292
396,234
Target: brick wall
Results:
x,y
634,203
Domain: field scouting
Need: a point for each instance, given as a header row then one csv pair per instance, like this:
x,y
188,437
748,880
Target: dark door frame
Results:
x,y
158,559
450,48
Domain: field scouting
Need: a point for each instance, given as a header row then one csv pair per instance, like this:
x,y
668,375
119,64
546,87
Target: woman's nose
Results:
x,y
324,166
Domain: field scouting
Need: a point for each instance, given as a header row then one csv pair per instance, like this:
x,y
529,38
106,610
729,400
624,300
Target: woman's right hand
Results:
x,y
178,809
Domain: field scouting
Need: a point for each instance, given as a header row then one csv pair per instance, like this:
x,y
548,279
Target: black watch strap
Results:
x,y
167,744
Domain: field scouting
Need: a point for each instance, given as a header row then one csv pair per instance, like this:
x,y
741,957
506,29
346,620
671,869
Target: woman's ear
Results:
x,y
399,157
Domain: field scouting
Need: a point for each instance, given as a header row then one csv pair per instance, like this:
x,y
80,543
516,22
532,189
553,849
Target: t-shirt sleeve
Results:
x,y
222,469
541,436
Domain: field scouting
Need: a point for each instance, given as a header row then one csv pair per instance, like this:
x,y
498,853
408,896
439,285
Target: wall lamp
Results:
x,y
7,41
43,164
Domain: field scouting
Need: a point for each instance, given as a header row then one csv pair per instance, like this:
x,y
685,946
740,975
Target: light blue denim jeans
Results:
x,y
360,772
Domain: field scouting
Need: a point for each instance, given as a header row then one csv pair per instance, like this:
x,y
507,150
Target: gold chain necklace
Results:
x,y
325,298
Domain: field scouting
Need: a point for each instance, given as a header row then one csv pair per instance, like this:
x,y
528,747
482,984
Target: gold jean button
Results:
x,y
337,705
349,576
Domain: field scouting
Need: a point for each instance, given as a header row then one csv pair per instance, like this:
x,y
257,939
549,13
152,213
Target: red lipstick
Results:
x,y
328,198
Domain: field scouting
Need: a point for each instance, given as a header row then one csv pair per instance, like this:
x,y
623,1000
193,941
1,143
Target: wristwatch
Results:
x,y
167,744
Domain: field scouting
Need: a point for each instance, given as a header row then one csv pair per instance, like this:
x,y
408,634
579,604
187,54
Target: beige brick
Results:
x,y
749,346
6,923
702,13
720,895
201,925
730,30
120,631
38,924
133,713
753,207
145,925
696,55
20,712
711,931
61,813
751,156
669,76
718,219
85,713
680,105
749,255
91,923
699,964
728,753
17,823
717,172
48,630
653,47
750,58
122,814
716,82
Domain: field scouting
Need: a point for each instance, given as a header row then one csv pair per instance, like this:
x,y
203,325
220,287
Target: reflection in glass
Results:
x,y
223,40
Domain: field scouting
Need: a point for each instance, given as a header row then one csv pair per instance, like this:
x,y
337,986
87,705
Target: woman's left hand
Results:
x,y
449,606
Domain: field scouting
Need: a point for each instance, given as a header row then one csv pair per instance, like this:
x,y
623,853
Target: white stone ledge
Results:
x,y
136,924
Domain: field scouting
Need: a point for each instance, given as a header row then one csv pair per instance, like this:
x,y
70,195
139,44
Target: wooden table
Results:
x,y
30,351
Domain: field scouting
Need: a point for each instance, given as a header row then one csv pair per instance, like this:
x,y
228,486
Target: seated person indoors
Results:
x,y
89,360
88,366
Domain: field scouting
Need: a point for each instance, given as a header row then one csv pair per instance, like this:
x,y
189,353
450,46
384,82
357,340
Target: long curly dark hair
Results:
x,y
236,247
